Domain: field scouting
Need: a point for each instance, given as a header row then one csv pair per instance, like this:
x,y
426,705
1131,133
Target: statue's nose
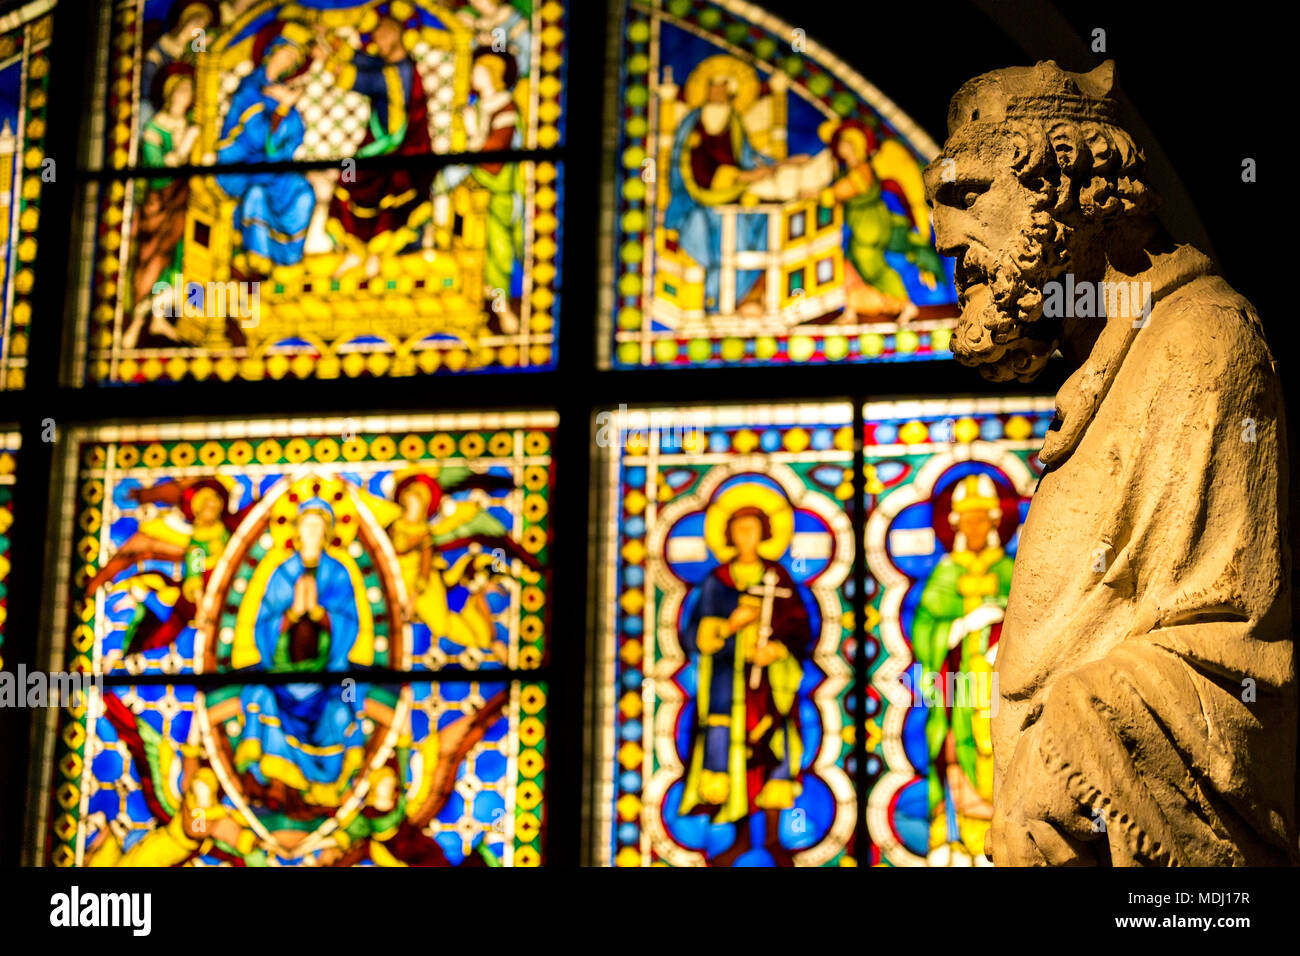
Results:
x,y
951,248
948,240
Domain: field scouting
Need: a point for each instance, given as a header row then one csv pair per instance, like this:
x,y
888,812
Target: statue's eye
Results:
x,y
963,194
970,192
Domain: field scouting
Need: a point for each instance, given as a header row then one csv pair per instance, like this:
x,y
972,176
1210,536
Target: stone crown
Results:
x,y
1040,91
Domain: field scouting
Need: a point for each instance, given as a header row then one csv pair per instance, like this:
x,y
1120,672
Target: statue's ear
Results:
x,y
1101,80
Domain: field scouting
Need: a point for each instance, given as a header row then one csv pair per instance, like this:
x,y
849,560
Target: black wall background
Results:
x,y
1206,86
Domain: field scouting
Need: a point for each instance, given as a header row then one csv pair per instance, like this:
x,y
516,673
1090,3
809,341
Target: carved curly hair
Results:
x,y
1087,179
1091,175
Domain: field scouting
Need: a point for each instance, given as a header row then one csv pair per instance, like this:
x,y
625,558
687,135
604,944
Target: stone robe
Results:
x,y
1150,598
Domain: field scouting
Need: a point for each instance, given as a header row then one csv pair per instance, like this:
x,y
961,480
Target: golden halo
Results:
x,y
333,491
722,65
749,495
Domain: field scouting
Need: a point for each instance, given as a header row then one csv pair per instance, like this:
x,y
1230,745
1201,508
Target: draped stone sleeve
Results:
x,y
1165,747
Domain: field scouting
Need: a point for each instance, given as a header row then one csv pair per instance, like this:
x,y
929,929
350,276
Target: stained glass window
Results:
x,y
9,443
767,204
948,484
354,233
687,771
367,79
324,634
728,637
25,33
422,311
443,774
340,550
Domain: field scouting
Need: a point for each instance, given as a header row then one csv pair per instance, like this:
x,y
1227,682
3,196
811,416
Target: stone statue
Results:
x,y
1146,674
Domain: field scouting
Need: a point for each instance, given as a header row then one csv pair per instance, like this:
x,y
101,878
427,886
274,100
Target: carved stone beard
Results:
x,y
1002,330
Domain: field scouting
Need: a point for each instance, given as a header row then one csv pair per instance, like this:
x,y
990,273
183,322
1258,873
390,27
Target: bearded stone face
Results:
x,y
1007,246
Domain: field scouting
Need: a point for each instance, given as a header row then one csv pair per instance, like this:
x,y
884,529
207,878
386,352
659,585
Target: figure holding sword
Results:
x,y
748,634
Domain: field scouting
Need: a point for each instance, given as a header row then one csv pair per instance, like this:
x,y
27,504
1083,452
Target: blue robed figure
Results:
x,y
711,152
263,125
303,612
